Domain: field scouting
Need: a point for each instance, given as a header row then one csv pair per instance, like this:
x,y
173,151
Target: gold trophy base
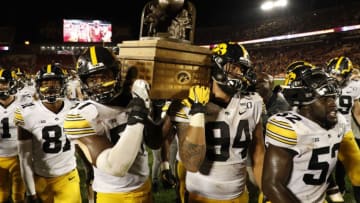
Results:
x,y
171,68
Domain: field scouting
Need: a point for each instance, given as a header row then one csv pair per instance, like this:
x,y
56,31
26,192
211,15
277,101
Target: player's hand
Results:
x,y
159,107
138,113
198,97
140,104
199,94
141,89
168,180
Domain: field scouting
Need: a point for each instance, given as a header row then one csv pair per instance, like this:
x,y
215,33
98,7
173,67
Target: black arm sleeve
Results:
x,y
153,134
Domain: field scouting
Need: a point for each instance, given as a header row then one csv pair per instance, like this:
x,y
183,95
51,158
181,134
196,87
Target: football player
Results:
x,y
73,87
112,136
215,136
10,177
159,161
348,102
47,158
274,100
22,85
172,170
303,144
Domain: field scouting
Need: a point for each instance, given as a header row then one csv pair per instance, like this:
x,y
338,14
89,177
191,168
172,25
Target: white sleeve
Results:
x,y
25,157
118,159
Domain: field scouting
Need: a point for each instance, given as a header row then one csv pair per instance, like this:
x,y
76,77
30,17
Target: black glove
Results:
x,y
157,106
138,113
168,180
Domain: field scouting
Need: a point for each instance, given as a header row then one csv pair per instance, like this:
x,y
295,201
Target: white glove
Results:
x,y
141,89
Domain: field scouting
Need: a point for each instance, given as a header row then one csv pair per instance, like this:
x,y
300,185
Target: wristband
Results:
x,y
337,197
165,165
197,120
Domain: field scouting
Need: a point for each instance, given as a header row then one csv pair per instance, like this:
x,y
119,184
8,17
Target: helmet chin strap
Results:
x,y
228,90
230,87
51,99
106,95
103,97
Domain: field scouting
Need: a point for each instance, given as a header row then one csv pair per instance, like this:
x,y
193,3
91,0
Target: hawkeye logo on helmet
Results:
x,y
221,49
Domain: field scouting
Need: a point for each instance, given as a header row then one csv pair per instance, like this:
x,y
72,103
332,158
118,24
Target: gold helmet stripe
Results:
x,y
93,57
48,68
337,66
13,74
246,54
1,72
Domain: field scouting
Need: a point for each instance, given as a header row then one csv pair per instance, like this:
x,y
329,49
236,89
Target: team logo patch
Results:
x,y
183,77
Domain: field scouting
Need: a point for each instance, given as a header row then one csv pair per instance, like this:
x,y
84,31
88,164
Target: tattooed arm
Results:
x,y
192,146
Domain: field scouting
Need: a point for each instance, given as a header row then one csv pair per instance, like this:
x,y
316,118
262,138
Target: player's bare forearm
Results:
x,y
280,193
168,131
192,155
92,146
192,146
278,164
258,153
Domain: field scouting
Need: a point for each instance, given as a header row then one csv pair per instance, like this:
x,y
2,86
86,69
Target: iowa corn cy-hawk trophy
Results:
x,y
165,55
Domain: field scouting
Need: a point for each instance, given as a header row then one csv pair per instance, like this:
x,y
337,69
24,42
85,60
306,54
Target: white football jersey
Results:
x,y
228,134
53,153
316,151
345,101
90,118
8,130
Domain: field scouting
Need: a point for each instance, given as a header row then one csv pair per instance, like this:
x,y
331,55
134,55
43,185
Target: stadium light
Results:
x,y
280,3
269,5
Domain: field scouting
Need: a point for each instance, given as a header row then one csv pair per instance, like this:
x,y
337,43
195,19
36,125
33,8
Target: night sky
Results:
x,y
209,12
